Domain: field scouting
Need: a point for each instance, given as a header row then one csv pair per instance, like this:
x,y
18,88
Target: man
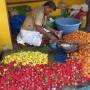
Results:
x,y
35,29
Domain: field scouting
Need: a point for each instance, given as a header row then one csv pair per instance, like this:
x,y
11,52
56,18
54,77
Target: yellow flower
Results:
x,y
25,58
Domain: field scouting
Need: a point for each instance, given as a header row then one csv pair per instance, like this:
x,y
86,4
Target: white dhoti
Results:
x,y
30,37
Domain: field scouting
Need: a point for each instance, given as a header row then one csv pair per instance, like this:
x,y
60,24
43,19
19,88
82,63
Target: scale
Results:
x,y
61,50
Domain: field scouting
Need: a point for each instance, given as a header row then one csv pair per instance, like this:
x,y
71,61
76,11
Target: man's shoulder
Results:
x,y
39,10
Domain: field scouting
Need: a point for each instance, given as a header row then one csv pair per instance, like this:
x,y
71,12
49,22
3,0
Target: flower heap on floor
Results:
x,y
27,57
31,71
84,54
83,39
80,37
41,77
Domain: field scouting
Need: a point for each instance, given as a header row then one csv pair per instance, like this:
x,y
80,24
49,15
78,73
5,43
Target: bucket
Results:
x,y
60,57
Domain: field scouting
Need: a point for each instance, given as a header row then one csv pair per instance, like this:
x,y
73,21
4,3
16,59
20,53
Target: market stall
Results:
x,y
49,67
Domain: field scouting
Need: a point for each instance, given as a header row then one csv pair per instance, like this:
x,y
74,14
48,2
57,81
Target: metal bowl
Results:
x,y
67,47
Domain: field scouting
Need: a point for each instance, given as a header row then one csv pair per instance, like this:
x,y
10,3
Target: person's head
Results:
x,y
49,7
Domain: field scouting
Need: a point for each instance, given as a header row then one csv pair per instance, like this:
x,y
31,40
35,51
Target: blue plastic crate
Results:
x,y
16,22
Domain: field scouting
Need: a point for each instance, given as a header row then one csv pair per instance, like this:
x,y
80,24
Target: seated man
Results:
x,y
35,29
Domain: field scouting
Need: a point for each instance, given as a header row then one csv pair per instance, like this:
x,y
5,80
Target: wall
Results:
x,y
37,3
5,39
68,3
71,2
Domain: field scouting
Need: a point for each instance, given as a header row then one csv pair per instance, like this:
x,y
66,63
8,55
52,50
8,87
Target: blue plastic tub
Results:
x,y
67,25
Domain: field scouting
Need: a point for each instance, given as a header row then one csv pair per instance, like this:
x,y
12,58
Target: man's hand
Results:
x,y
58,34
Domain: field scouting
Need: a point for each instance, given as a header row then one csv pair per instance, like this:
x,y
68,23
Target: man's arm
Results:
x,y
50,29
41,30
48,35
57,33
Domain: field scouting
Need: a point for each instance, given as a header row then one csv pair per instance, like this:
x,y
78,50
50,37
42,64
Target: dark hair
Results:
x,y
51,4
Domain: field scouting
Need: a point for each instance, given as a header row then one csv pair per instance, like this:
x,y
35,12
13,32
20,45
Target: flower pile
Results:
x,y
79,37
83,39
28,70
84,58
27,57
41,77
